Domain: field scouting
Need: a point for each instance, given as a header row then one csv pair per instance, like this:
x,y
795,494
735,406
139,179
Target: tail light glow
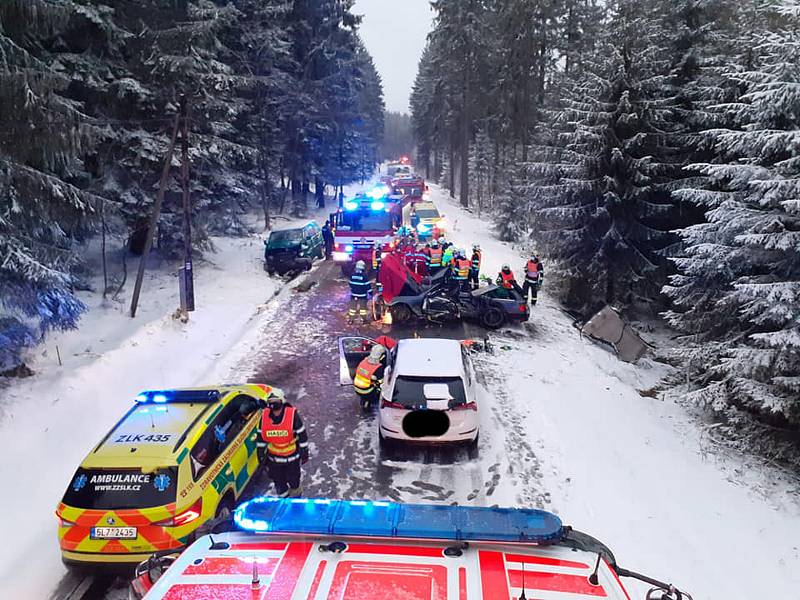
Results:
x,y
466,406
192,513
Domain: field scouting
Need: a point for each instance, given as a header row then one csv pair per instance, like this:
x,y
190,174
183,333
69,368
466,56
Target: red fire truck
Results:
x,y
412,188
319,549
360,223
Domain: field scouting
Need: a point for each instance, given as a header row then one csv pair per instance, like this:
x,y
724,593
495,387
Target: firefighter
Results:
x,y
369,376
434,256
475,267
416,261
447,255
327,237
360,288
461,269
506,280
377,257
534,274
287,444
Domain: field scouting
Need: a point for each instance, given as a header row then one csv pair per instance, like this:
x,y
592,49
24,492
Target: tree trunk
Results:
x,y
319,191
452,171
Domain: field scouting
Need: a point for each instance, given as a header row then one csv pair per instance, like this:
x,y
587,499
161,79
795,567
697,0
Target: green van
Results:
x,y
292,250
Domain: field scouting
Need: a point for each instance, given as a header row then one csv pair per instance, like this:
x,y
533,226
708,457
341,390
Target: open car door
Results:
x,y
352,350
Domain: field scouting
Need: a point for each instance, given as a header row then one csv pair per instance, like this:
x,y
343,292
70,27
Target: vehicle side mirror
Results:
x,y
266,242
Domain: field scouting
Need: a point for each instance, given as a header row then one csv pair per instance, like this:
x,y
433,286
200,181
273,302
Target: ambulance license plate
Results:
x,y
113,533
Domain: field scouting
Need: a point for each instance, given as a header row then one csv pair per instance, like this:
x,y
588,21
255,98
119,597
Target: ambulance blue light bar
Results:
x,y
363,518
176,396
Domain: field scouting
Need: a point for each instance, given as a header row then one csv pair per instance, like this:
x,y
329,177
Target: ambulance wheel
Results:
x,y
493,317
401,313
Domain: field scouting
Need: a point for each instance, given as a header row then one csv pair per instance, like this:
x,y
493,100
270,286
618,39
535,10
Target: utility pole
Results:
x,y
151,229
187,274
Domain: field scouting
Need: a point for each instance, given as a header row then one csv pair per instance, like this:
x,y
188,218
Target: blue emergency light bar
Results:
x,y
378,205
351,205
364,518
174,396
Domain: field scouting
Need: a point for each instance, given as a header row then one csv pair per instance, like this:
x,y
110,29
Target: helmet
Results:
x,y
360,265
276,398
377,244
442,240
476,247
434,244
377,353
506,267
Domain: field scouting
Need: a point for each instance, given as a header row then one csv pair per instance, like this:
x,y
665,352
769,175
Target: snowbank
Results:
x,y
633,470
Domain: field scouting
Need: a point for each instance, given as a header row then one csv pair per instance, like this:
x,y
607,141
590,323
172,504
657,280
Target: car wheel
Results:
x,y
401,313
493,317
385,447
472,448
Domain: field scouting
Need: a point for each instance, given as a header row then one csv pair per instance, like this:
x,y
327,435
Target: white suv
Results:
x,y
429,394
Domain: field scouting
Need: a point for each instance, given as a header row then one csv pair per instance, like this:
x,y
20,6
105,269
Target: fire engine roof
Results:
x,y
357,566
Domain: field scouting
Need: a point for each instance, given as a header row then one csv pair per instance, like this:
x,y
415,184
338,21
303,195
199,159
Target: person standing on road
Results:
x,y
461,269
534,274
447,255
434,256
287,444
377,258
475,268
360,288
327,237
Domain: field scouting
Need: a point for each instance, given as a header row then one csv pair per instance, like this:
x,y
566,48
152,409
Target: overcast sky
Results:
x,y
394,32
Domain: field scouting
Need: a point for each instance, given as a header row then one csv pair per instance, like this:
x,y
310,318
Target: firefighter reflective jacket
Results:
x,y
281,437
461,268
367,374
359,285
533,270
506,280
476,260
435,257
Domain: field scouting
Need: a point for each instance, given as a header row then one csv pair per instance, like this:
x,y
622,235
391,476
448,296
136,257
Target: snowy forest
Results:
x,y
282,97
650,150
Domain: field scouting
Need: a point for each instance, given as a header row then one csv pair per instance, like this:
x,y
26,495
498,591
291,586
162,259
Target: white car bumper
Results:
x,y
463,427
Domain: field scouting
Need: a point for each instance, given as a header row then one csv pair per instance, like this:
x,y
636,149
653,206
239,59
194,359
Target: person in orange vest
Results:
x,y
475,269
287,444
506,280
369,376
434,256
534,274
461,269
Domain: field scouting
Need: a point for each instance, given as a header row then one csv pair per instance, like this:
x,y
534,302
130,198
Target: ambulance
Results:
x,y
321,549
177,460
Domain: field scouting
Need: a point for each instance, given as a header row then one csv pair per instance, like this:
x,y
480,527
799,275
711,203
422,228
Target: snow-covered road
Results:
x,y
563,428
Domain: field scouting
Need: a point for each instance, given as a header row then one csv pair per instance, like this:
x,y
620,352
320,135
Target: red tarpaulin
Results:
x,y
397,279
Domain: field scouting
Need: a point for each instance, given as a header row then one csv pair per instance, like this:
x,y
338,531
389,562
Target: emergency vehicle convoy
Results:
x,y
315,549
161,488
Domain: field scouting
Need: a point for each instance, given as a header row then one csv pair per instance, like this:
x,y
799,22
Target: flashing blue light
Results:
x,y
405,521
348,248
378,192
351,205
141,398
423,228
159,398
378,205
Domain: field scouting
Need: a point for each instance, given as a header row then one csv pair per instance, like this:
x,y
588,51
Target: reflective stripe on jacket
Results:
x,y
280,437
476,261
359,285
461,268
533,270
364,381
435,257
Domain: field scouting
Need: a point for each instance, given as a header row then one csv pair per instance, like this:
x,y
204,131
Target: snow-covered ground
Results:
x,y
563,427
631,470
50,421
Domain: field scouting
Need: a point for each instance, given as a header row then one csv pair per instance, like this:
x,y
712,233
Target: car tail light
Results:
x,y
466,406
523,307
190,514
63,522
387,404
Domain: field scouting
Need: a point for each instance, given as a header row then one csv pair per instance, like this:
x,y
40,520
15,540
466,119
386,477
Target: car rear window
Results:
x,y
428,214
105,489
408,391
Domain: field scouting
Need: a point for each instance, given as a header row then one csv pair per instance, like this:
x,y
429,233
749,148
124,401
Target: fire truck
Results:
x,y
293,548
412,188
360,223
